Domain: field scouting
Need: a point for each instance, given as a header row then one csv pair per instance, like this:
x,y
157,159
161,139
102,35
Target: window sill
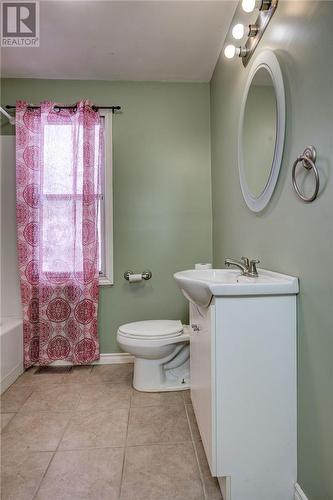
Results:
x,y
104,281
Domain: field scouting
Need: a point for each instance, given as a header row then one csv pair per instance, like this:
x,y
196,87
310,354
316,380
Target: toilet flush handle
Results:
x,y
195,328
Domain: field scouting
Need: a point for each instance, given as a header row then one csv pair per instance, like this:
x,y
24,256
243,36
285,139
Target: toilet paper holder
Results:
x,y
146,275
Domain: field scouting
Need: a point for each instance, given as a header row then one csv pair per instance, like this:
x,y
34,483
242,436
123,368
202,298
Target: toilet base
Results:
x,y
164,388
150,376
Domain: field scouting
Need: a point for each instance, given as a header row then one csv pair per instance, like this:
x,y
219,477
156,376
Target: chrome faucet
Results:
x,y
247,266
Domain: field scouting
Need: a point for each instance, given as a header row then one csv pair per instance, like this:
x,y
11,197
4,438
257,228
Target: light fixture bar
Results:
x,y
261,24
253,30
266,4
250,5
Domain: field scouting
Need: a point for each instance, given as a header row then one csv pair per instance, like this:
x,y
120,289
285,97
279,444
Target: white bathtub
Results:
x,y
11,347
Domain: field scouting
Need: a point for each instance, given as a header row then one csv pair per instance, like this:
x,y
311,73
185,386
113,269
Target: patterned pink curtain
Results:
x,y
58,164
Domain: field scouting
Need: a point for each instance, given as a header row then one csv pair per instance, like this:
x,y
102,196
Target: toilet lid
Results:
x,y
154,329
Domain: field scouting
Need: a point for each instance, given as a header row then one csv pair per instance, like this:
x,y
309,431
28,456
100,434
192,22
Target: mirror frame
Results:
x,y
268,60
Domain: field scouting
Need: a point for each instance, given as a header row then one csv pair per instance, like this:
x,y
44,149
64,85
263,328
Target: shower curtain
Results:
x,y
59,157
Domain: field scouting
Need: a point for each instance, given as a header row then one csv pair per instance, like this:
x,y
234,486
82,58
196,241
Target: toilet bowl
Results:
x,y
161,354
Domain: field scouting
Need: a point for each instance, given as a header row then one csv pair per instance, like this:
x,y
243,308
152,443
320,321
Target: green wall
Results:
x,y
161,185
289,236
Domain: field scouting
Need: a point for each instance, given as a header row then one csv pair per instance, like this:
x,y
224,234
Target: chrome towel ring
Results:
x,y
308,159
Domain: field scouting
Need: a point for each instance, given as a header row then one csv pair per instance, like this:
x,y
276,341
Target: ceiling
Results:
x,y
124,40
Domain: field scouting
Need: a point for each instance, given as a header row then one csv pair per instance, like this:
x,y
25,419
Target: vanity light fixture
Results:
x,y
239,30
231,51
253,32
250,5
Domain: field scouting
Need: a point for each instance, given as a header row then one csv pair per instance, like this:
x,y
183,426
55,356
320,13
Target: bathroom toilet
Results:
x,y
161,354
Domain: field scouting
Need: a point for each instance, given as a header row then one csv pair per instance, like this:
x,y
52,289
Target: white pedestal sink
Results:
x,y
243,378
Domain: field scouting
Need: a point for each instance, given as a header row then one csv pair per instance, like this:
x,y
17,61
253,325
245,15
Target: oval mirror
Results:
x,y
261,131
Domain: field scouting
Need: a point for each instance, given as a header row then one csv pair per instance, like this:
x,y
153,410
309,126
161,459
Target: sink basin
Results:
x,y
199,286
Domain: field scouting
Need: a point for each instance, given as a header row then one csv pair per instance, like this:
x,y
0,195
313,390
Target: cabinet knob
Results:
x,y
195,328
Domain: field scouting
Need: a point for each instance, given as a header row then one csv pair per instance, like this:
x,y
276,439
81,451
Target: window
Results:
x,y
105,212
58,200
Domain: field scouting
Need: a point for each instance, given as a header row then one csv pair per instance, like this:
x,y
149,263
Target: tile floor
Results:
x,y
86,434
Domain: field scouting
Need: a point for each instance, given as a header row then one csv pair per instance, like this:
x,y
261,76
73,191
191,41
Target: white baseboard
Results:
x,y
112,358
9,379
225,486
299,493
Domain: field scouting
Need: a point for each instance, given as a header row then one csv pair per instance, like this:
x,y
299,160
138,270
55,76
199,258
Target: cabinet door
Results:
x,y
202,376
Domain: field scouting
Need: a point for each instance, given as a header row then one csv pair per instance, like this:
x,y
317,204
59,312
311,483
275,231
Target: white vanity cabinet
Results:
x,y
202,360
243,389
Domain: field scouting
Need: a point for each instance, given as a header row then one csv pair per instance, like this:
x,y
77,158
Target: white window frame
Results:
x,y
106,277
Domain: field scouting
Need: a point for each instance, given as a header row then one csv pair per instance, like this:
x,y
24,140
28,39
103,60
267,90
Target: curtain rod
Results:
x,y
58,108
10,118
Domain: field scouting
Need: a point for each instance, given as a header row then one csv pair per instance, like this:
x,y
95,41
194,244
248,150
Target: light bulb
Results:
x,y
230,51
248,5
238,31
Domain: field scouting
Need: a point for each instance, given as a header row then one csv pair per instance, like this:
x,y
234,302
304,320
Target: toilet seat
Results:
x,y
152,329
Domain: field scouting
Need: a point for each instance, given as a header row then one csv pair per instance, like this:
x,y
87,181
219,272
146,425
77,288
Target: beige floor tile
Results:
x,y
161,472
156,398
83,475
79,374
96,429
51,397
158,424
211,485
26,375
187,397
21,474
14,398
212,489
5,419
193,423
34,431
87,411
53,370
104,397
32,379
203,464
117,374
